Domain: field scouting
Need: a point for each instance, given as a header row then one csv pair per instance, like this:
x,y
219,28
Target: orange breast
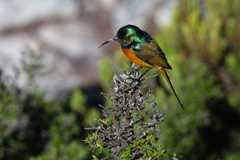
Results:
x,y
133,58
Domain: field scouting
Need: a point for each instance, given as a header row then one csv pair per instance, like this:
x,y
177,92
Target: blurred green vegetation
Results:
x,y
203,46
37,129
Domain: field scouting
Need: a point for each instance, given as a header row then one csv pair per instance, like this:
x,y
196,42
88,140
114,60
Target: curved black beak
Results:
x,y
108,41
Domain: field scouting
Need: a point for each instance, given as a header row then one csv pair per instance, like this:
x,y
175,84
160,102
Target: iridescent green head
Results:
x,y
128,35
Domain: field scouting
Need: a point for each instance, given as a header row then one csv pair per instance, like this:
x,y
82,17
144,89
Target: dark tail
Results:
x,y
164,72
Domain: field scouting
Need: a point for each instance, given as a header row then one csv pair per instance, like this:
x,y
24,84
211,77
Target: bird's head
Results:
x,y
126,35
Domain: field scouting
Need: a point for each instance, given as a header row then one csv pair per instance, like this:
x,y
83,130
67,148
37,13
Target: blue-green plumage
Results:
x,y
142,49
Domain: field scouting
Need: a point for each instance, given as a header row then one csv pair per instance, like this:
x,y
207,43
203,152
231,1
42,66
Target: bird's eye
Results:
x,y
129,37
125,41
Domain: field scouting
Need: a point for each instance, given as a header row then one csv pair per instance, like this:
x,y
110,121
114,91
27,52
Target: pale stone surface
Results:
x,y
67,33
17,12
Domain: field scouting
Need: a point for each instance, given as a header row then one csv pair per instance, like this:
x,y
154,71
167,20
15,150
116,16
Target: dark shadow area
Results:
x,y
216,138
93,95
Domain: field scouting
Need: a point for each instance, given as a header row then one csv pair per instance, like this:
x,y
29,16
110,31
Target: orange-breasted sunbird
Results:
x,y
141,49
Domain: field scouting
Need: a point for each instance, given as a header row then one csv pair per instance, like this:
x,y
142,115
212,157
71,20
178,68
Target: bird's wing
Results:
x,y
152,54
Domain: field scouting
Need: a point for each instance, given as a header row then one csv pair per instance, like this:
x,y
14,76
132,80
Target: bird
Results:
x,y
141,49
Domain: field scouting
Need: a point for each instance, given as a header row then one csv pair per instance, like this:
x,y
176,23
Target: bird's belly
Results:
x,y
133,58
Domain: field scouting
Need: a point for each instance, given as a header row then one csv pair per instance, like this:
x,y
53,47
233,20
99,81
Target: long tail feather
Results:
x,y
164,72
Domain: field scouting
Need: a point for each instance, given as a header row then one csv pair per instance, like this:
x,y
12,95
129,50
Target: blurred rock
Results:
x,y
67,34
16,13
141,12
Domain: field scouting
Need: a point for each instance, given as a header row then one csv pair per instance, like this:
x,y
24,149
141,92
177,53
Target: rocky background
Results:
x,y
66,35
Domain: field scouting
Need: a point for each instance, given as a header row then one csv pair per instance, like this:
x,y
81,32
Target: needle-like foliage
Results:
x,y
129,128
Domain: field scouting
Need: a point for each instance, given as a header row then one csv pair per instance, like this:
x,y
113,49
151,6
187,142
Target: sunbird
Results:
x,y
141,49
